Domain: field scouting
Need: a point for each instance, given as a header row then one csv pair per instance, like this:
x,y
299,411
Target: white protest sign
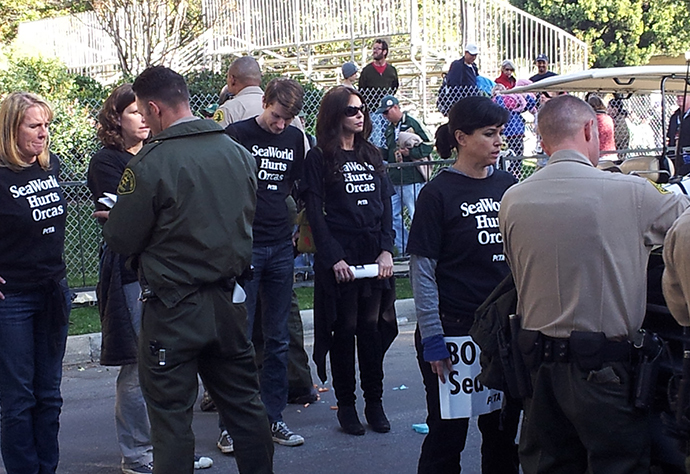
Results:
x,y
463,396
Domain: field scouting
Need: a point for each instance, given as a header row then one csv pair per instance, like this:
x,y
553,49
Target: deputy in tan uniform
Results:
x,y
577,240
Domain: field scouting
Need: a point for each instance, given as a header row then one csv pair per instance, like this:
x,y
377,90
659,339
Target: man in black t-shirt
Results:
x,y
279,153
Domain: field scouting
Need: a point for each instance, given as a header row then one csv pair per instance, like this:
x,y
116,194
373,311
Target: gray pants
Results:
x,y
131,418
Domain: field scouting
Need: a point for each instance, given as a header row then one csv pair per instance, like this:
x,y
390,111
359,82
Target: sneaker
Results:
x,y
143,469
225,443
203,462
283,435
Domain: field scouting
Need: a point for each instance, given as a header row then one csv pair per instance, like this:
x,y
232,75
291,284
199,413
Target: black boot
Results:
x,y
349,421
377,418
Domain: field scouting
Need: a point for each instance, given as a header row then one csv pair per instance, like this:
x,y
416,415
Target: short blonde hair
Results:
x,y
12,112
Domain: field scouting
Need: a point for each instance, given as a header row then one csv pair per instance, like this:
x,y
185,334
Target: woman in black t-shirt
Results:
x,y
348,200
456,259
122,132
34,298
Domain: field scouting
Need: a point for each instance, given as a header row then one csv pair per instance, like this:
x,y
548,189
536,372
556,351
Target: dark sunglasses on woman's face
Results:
x,y
351,110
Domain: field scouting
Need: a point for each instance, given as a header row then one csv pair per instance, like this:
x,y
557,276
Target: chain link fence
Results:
x,y
637,123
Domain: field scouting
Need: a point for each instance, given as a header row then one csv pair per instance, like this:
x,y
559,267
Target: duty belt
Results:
x,y
225,284
557,349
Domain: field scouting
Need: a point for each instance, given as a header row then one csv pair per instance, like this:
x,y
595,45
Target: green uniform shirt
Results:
x,y
185,205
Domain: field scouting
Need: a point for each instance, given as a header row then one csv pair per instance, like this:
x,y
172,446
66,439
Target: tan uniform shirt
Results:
x,y
577,240
676,280
246,104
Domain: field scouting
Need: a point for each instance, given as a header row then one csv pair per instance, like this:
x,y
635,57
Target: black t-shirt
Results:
x,y
105,171
353,206
539,77
456,223
279,159
33,211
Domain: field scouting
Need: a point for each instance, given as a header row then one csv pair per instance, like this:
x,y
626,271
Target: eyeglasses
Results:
x,y
508,69
351,110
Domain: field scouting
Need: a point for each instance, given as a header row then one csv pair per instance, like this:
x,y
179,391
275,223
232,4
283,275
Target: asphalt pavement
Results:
x,y
89,446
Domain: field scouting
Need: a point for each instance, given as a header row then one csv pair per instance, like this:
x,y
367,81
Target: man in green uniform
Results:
x,y
185,208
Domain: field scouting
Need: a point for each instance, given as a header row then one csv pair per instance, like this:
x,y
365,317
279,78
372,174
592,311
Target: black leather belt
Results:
x,y
557,349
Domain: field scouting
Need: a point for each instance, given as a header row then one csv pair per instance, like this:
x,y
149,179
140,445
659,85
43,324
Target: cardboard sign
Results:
x,y
463,396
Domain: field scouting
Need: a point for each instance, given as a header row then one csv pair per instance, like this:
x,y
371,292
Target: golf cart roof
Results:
x,y
633,79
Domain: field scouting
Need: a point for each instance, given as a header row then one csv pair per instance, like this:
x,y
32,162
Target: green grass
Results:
x,y
85,319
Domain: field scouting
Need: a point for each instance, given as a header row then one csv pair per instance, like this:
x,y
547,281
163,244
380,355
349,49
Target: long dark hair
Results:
x,y
109,129
329,132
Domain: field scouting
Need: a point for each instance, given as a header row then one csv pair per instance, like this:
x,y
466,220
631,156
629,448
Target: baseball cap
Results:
x,y
472,48
386,103
349,69
542,57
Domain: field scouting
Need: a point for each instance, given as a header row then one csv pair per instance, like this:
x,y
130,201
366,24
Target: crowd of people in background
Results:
x,y
191,287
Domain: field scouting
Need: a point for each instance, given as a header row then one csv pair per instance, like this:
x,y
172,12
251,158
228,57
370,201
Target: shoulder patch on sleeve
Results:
x,y
219,115
128,182
659,187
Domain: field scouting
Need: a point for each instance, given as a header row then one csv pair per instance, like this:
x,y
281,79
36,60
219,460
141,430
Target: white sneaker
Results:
x,y
283,435
202,462
225,443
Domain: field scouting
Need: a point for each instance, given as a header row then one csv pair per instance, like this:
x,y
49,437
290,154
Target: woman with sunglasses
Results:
x,y
456,260
348,199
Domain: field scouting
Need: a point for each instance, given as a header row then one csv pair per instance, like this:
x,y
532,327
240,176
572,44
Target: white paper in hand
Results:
x,y
370,270
463,396
108,200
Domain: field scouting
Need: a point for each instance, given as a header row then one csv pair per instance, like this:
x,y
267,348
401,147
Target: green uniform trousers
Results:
x,y
583,422
204,333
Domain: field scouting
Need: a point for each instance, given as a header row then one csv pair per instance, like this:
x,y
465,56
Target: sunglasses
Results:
x,y
351,110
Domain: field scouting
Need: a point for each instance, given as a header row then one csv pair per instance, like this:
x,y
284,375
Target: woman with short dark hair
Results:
x,y
348,200
34,298
456,260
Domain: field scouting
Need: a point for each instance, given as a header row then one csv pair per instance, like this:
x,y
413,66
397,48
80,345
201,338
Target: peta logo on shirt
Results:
x,y
486,225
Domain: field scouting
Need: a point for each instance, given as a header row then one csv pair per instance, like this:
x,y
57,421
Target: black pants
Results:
x,y
357,316
583,421
446,439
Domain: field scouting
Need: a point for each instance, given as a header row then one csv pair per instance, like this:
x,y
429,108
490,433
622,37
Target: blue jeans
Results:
x,y
32,345
405,195
273,275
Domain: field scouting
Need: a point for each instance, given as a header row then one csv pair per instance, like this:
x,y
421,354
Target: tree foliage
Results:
x,y
14,12
148,32
619,32
73,128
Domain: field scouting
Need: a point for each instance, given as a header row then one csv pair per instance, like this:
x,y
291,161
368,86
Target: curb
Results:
x,y
86,348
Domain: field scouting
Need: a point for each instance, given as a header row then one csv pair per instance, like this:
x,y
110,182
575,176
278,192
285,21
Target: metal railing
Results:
x,y
314,37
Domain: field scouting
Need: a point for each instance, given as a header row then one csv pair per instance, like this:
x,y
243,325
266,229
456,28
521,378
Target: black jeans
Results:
x,y
446,439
